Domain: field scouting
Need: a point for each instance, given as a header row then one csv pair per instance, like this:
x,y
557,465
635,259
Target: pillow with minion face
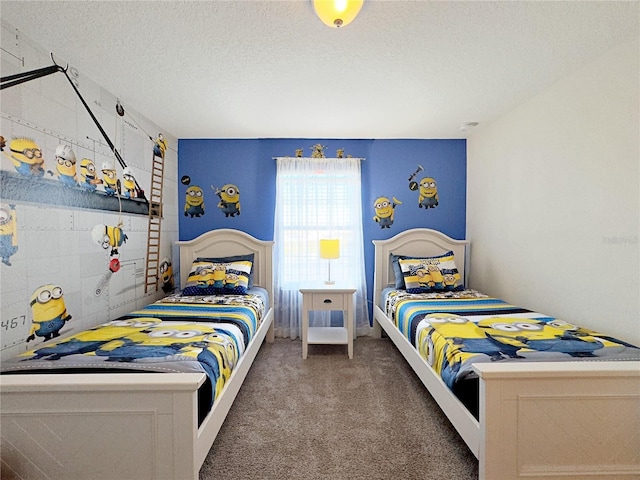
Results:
x,y
431,274
224,278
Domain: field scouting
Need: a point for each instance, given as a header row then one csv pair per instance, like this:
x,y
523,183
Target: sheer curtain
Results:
x,y
317,198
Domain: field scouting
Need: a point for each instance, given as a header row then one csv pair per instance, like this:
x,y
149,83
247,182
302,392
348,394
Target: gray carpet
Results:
x,y
329,417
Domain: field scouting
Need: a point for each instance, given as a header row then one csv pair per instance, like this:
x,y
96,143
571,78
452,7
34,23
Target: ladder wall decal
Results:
x,y
155,222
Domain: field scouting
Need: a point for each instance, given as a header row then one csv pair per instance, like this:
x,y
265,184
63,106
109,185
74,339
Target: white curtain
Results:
x,y
317,198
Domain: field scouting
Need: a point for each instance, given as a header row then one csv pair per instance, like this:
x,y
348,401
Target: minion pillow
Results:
x,y
218,278
431,274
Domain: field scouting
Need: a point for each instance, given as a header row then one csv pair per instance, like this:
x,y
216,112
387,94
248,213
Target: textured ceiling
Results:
x,y
269,69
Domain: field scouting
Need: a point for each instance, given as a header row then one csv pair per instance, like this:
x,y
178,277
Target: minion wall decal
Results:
x,y
160,146
428,193
8,233
384,211
88,177
130,190
49,312
66,165
26,157
111,181
229,202
166,275
194,202
109,237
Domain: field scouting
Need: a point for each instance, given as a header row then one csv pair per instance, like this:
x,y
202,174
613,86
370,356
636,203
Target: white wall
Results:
x,y
553,199
54,243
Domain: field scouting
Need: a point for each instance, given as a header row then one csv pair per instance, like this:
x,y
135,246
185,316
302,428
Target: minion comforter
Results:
x,y
206,334
453,330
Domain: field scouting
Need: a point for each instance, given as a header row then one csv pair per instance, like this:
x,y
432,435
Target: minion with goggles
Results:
x,y
108,236
111,181
160,146
8,233
49,312
88,178
229,200
26,157
166,275
129,183
194,203
66,165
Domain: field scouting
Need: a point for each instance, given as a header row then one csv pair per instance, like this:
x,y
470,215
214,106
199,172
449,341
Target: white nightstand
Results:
x,y
327,298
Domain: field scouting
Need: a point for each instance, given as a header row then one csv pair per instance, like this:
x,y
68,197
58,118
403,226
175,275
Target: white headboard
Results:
x,y
415,242
225,242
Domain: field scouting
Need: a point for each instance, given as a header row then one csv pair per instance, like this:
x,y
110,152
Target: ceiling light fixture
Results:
x,y
468,126
337,13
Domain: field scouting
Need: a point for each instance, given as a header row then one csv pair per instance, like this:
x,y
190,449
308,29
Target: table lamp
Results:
x,y
329,249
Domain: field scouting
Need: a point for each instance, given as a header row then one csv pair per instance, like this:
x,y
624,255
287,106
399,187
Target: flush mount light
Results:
x,y
337,13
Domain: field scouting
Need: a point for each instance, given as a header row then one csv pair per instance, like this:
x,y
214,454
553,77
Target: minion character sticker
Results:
x,y
384,210
229,202
49,312
26,157
88,178
166,275
66,165
427,189
8,233
194,202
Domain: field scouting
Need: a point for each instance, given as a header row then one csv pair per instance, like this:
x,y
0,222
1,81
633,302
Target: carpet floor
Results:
x,y
328,417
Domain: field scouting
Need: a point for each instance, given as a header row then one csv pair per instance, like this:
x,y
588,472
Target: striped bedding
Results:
x,y
453,330
206,334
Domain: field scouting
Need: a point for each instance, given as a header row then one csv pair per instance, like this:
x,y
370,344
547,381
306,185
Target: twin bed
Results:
x,y
538,418
564,420
151,424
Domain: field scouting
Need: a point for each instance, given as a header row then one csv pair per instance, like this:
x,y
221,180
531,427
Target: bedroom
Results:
x,y
557,171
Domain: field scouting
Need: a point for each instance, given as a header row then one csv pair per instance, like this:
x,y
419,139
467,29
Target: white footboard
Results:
x,y
566,421
121,426
99,426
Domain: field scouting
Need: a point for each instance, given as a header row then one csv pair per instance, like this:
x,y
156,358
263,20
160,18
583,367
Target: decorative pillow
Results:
x,y
209,278
234,258
431,274
395,263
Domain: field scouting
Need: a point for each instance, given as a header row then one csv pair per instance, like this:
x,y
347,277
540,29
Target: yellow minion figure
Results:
x,y
194,203
166,275
88,178
229,200
129,183
108,236
384,210
49,312
8,233
26,157
219,275
160,146
66,165
110,180
231,280
428,193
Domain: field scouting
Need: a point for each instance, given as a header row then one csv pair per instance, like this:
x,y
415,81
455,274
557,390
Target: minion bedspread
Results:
x,y
176,334
453,330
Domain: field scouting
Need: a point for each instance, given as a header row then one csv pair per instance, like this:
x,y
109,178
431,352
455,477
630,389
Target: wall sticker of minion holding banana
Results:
x,y
384,211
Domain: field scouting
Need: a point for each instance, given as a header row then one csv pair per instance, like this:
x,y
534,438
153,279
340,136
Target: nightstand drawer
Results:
x,y
327,301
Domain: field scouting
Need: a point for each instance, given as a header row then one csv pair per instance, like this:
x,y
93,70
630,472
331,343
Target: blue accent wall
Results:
x,y
250,166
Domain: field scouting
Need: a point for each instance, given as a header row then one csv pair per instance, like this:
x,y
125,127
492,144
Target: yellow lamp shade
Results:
x,y
337,13
330,248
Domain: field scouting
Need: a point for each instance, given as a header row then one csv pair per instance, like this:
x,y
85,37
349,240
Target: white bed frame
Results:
x,y
568,421
128,426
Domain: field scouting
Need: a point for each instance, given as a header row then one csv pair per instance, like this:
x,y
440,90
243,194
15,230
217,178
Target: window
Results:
x,y
317,198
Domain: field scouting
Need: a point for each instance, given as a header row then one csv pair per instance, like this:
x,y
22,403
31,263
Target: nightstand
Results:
x,y
327,298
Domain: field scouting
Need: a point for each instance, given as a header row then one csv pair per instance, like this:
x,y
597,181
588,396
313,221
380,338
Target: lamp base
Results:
x,y
329,282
